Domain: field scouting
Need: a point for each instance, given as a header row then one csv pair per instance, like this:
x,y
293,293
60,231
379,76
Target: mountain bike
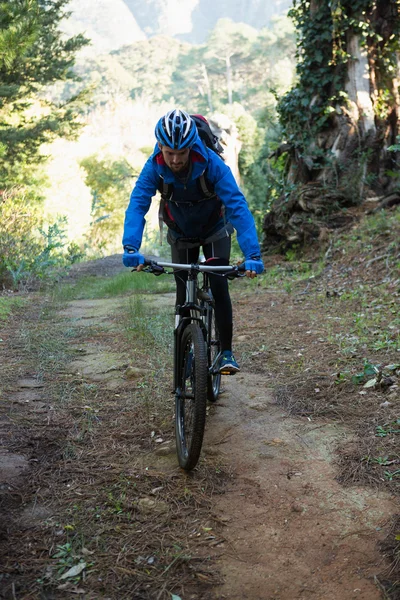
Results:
x,y
196,354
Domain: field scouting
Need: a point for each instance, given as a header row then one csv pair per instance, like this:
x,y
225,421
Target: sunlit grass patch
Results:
x,y
121,284
126,282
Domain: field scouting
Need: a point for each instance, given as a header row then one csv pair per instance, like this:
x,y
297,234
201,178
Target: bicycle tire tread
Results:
x,y
188,456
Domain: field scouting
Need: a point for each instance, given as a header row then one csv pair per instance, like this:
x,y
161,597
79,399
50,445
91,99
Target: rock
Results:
x,y
134,373
242,338
165,449
11,466
150,505
30,383
34,514
26,396
266,455
260,407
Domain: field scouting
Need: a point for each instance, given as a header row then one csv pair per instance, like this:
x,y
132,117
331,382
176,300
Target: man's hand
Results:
x,y
133,258
253,266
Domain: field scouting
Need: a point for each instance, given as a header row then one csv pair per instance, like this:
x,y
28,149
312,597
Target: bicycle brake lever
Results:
x,y
153,267
236,272
156,269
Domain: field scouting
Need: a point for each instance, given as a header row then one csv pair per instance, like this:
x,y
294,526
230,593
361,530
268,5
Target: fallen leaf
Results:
x,y
74,571
370,383
274,442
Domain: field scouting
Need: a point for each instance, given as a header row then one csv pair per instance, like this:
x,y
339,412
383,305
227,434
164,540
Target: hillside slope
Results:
x,y
111,24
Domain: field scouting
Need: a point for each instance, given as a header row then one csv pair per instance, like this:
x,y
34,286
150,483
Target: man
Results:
x,y
196,217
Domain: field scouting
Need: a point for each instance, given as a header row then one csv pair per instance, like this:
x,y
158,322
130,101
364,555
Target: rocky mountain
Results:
x,y
192,20
111,24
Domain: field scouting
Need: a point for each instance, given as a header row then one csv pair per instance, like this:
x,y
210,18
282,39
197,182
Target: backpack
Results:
x,y
206,135
207,189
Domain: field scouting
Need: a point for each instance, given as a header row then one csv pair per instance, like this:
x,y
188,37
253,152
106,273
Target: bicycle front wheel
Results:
x,y
191,397
214,349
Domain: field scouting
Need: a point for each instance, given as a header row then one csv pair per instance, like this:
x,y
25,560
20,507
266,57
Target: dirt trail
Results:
x,y
287,529
292,531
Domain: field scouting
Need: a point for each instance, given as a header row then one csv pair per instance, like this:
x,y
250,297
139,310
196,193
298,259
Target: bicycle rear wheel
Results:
x,y
191,397
214,349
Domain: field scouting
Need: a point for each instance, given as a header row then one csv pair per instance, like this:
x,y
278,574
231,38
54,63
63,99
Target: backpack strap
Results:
x,y
206,187
167,189
208,190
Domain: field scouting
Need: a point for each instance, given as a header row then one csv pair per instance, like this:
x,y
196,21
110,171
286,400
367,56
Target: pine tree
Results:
x,y
33,55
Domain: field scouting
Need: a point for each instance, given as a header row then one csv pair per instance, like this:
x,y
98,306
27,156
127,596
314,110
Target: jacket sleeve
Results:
x,y
236,208
139,204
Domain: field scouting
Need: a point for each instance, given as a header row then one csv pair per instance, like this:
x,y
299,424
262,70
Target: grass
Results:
x,y
120,285
96,448
8,304
151,327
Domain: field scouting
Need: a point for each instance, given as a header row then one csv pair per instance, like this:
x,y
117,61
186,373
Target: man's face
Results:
x,y
176,160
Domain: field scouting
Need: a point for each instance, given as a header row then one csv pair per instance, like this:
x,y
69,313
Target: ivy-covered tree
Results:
x,y
341,117
33,55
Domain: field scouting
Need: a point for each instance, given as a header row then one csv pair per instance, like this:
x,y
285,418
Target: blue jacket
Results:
x,y
218,174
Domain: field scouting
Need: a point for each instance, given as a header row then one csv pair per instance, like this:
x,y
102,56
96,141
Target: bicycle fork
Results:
x,y
184,315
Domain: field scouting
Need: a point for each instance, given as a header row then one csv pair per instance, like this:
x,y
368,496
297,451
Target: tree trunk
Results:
x,y
208,87
353,143
229,77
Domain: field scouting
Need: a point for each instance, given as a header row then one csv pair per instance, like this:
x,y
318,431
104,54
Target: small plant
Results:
x,y
65,557
368,371
387,428
390,475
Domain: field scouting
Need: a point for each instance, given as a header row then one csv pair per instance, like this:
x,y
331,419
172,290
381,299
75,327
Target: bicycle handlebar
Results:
x,y
159,266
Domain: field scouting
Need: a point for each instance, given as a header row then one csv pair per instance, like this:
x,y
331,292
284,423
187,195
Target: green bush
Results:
x,y
110,182
29,249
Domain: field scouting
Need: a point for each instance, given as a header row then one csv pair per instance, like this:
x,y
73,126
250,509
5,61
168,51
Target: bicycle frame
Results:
x,y
193,373
182,319
191,303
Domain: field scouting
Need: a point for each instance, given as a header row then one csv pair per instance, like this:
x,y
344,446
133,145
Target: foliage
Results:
x,y
150,72
323,30
28,249
110,182
306,108
8,304
257,58
315,68
263,180
32,55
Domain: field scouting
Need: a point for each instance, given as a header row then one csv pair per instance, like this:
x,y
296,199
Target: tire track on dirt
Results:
x,y
292,531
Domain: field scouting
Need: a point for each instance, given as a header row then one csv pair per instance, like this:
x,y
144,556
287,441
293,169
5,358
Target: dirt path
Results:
x,y
287,530
292,531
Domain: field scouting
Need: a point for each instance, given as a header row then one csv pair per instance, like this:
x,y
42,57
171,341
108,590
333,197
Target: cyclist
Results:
x,y
195,217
